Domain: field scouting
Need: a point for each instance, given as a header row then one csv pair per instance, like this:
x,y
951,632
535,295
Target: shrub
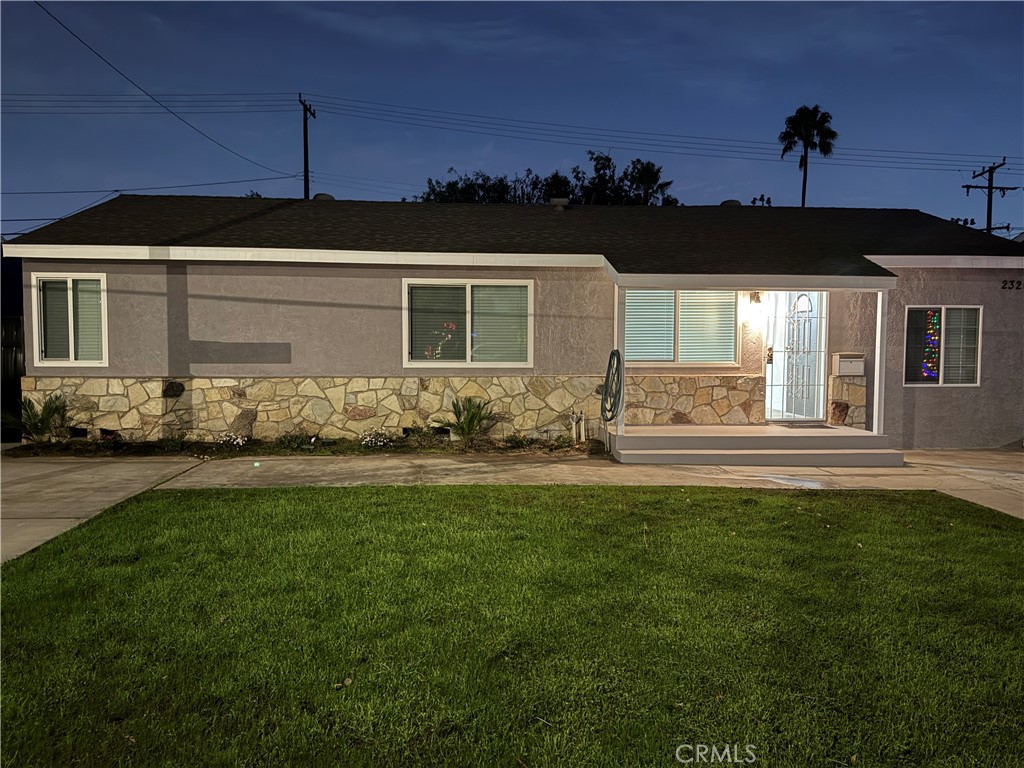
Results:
x,y
292,442
419,436
473,417
44,423
564,441
378,437
231,439
173,444
517,440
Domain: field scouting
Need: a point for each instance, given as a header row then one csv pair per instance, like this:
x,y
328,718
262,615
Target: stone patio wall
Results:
x,y
847,401
695,399
345,407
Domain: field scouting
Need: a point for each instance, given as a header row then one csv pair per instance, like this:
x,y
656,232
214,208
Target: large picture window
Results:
x,y
683,327
483,323
942,346
70,317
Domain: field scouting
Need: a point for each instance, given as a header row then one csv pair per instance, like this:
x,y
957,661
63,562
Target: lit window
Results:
x,y
689,327
942,345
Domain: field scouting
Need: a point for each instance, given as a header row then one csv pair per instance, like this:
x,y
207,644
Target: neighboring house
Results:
x,y
265,317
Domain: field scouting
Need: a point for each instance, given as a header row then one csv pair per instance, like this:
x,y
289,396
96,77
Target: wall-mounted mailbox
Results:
x,y
847,364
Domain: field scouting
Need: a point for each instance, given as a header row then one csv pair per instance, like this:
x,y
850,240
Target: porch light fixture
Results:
x,y
753,315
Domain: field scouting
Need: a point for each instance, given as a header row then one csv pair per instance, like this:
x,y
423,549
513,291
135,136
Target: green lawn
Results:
x,y
518,626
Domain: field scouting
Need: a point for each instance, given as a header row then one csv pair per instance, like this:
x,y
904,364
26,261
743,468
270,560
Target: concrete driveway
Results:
x,y
42,498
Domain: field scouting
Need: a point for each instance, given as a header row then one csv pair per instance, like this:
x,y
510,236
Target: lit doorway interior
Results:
x,y
795,376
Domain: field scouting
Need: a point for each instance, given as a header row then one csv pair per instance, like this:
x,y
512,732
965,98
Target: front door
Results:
x,y
795,376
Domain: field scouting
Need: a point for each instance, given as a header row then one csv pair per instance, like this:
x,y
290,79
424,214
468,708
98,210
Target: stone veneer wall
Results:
x,y
332,407
695,400
847,401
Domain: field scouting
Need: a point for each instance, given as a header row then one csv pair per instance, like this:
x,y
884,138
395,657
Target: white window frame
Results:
x,y
467,283
737,351
942,343
37,319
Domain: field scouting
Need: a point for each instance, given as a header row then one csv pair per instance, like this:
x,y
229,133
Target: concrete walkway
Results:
x,y
42,498
991,478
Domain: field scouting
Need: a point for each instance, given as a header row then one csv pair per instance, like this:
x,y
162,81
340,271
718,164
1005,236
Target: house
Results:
x,y
265,317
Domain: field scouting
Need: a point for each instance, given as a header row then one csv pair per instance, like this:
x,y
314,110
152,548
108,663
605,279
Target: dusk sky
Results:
x,y
922,95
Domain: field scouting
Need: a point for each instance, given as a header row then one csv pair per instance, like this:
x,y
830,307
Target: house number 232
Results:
x,y
1012,285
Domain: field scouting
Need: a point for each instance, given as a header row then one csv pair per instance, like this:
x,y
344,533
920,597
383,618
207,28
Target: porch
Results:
x,y
746,370
760,445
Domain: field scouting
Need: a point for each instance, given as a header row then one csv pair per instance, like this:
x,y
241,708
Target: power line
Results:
x,y
634,142
343,176
156,113
634,146
360,186
169,110
58,218
147,189
450,118
378,193
506,120
130,95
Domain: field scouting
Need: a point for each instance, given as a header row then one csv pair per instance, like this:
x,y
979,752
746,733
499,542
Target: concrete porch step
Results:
x,y
821,457
724,440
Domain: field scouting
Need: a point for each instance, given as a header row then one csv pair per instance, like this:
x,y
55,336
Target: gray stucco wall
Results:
x,y
851,328
284,320
990,415
291,320
986,416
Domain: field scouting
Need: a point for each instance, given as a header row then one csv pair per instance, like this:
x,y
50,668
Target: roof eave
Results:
x,y
760,282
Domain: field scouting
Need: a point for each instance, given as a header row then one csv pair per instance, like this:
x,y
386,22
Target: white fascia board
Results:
x,y
303,256
950,262
759,282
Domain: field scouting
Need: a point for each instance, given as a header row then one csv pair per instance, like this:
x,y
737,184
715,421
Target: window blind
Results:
x,y
707,327
437,322
500,320
54,300
88,319
960,358
650,326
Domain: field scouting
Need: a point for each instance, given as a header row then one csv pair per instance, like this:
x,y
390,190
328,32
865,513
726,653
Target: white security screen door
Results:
x,y
795,376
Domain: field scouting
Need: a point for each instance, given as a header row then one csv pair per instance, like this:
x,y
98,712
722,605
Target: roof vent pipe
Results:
x,y
559,203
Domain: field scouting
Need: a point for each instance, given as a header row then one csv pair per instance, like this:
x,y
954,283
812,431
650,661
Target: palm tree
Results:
x,y
812,128
642,183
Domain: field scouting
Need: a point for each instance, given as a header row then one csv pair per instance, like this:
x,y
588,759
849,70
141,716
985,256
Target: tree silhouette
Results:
x,y
811,128
639,184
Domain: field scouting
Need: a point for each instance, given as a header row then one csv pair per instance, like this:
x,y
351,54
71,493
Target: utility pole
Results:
x,y
989,189
306,112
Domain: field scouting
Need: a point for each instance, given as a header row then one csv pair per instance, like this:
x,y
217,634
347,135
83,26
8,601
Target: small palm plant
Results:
x,y
42,423
473,417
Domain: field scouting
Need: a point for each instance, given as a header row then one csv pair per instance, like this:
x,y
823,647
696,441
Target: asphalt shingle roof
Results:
x,y
683,240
